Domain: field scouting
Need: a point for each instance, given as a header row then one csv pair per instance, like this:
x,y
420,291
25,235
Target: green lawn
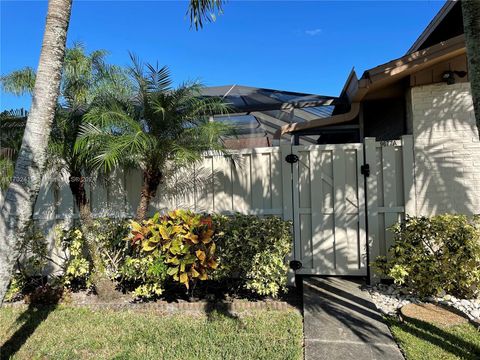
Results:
x,y
69,333
423,341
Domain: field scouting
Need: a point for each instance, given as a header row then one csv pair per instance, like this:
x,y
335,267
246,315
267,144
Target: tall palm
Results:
x,y
85,78
158,124
471,24
21,194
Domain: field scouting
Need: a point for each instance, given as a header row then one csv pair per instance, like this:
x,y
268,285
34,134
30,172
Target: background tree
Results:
x,y
155,125
471,24
12,126
22,192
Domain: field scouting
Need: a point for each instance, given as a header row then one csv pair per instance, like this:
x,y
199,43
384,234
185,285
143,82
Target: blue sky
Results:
x,y
288,45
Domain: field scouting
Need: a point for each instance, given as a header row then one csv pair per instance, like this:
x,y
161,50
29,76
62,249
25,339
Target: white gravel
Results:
x,y
390,298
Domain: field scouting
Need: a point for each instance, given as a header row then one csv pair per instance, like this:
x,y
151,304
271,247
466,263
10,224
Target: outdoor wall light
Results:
x,y
449,76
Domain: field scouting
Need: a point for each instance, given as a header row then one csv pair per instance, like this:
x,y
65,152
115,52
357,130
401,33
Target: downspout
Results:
x,y
332,120
355,90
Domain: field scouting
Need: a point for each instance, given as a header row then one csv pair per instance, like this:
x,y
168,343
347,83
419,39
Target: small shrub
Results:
x,y
183,238
435,255
254,250
110,234
146,273
76,268
15,289
30,266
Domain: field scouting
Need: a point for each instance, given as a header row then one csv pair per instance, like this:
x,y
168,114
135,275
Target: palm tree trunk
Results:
x,y
471,25
151,180
20,198
104,287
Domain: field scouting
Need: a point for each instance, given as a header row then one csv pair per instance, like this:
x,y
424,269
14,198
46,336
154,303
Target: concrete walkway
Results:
x,y
341,323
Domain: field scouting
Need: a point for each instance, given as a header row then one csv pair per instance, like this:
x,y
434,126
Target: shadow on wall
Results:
x,y
447,150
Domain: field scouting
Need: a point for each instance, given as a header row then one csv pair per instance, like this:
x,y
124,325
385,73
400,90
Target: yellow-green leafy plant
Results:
x,y
15,288
145,272
110,234
435,255
77,268
253,250
183,238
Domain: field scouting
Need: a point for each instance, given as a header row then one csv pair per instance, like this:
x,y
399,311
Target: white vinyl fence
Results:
x,y
333,209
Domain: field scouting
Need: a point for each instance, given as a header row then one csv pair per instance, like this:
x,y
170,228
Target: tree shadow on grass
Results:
x,y
439,337
219,307
30,319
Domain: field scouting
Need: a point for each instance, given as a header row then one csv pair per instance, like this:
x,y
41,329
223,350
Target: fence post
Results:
x,y
287,198
371,201
408,175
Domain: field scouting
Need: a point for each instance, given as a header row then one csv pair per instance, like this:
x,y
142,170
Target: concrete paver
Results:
x,y
341,323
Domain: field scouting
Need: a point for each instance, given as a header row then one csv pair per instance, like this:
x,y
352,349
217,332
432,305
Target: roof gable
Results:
x,y
447,24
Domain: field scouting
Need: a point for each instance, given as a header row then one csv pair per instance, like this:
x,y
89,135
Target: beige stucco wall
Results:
x,y
446,149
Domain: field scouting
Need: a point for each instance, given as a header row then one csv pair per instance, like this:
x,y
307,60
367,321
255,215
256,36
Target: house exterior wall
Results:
x,y
446,149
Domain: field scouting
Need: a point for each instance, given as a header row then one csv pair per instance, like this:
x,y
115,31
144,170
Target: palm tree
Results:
x,y
471,24
85,78
21,194
20,198
156,125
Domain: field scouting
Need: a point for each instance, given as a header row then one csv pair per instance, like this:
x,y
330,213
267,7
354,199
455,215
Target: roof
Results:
x,y
257,112
248,99
447,23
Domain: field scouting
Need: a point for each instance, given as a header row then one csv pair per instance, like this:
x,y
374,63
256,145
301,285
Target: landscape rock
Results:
x,y
389,299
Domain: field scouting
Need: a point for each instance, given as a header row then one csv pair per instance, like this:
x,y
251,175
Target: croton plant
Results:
x,y
183,238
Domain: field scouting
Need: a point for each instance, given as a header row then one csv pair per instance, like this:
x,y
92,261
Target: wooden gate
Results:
x,y
329,209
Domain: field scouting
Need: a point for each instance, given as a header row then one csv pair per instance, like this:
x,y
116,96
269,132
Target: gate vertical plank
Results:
x,y
340,216
352,210
389,190
327,246
372,204
408,175
304,205
316,203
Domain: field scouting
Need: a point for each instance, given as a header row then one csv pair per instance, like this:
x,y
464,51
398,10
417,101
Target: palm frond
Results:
x,y
113,117
19,82
158,79
200,11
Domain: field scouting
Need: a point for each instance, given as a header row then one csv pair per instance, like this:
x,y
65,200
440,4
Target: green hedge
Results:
x,y
432,256
254,250
145,258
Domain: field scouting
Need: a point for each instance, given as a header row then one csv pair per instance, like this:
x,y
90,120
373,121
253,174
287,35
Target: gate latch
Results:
x,y
291,158
365,170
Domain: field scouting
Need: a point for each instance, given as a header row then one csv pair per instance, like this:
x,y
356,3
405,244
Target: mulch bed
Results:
x,y
432,313
173,303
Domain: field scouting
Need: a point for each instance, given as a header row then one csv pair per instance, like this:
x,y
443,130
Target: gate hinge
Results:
x,y
291,158
365,170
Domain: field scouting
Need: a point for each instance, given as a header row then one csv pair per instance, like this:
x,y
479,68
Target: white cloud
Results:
x,y
313,32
